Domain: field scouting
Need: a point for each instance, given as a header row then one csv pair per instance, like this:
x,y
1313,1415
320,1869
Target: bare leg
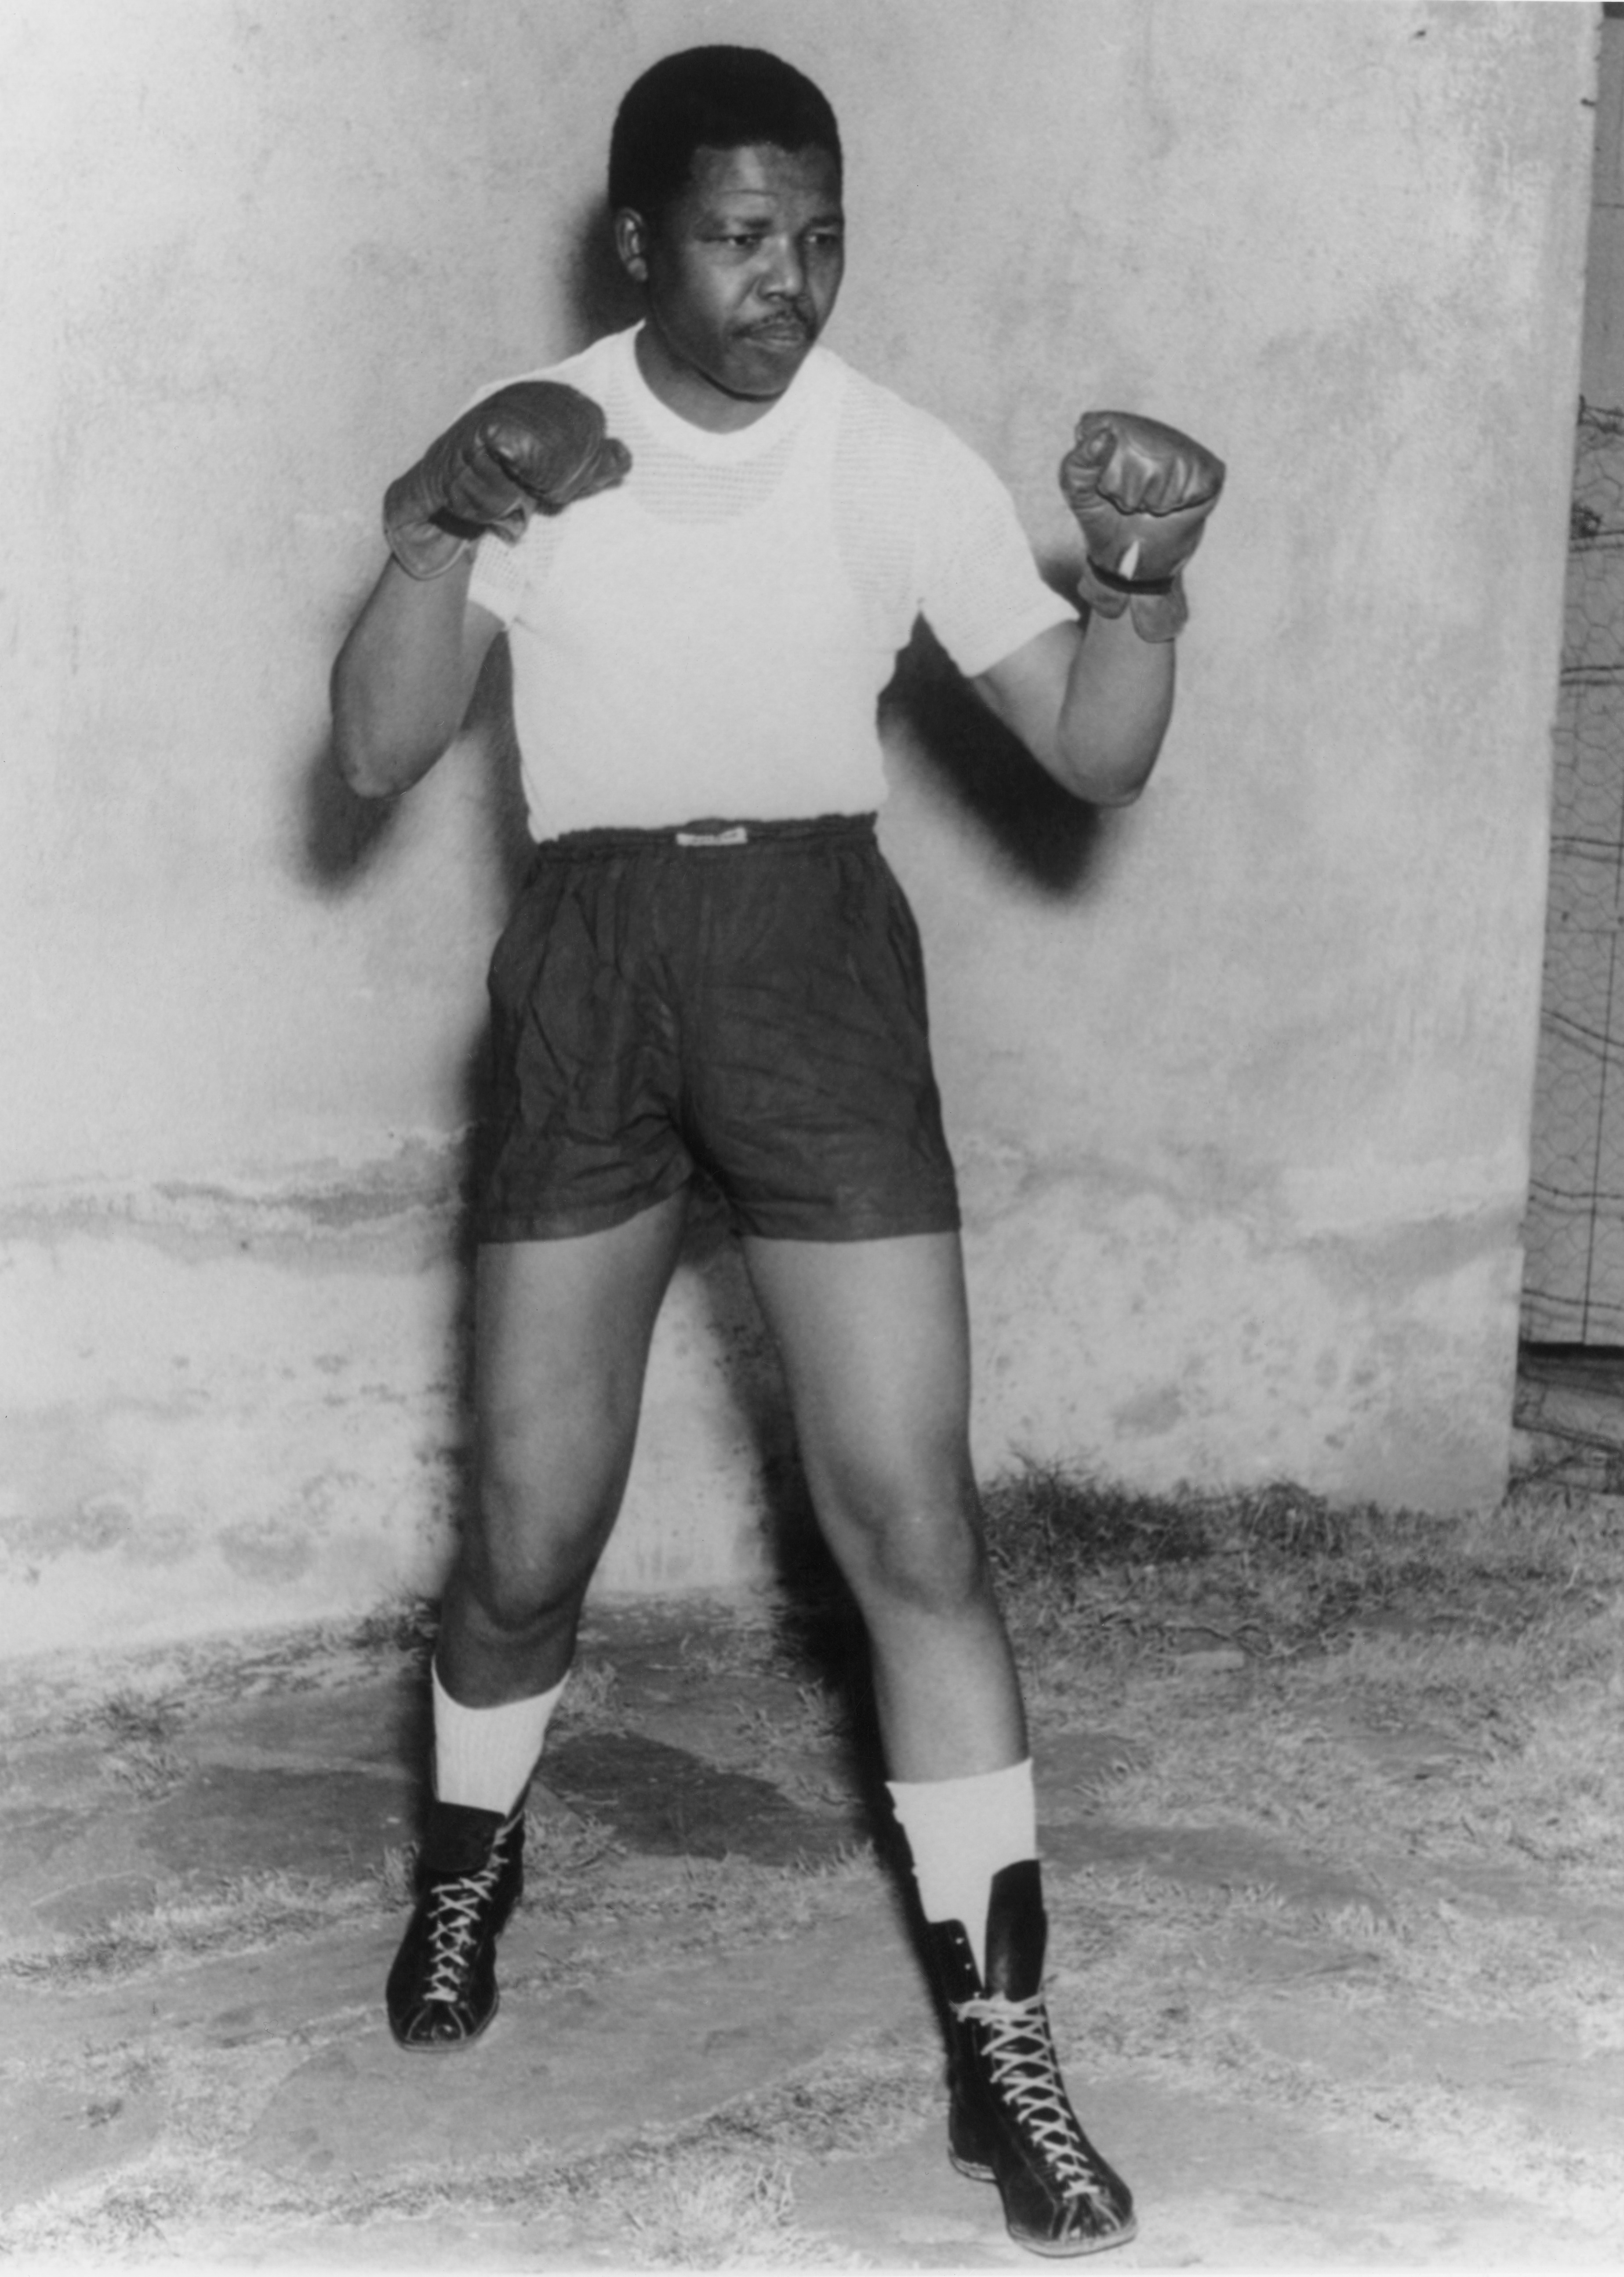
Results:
x,y
561,1344
876,1343
562,1339
874,1340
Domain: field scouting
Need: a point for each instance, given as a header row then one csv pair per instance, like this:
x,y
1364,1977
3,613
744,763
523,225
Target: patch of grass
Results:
x,y
1438,1959
1168,1998
408,1626
150,1772
244,1914
141,1725
397,1877
136,2213
559,1852
786,1727
854,2102
70,1695
713,2213
716,2193
591,1701
142,1719
136,2217
729,1646
1460,1749
1558,1796
1086,1568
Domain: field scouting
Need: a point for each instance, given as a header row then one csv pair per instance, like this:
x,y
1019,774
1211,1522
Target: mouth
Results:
x,y
780,333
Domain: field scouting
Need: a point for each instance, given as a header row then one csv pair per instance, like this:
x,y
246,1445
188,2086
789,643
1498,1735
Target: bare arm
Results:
x,y
1092,703
404,677
402,682
1091,707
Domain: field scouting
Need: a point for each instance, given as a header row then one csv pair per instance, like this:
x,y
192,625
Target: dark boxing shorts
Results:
x,y
746,998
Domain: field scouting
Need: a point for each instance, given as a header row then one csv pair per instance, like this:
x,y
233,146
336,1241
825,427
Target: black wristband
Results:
x,y
1116,584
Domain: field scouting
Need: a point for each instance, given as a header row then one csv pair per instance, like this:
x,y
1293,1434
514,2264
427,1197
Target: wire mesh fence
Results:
x,y
1574,1275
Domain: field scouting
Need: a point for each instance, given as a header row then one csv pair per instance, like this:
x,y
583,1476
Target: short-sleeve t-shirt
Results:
x,y
709,640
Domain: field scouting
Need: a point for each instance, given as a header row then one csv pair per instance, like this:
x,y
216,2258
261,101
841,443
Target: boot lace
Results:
x,y
455,1919
1025,2073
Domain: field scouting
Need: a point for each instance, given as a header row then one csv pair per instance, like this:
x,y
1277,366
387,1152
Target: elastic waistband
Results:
x,y
702,837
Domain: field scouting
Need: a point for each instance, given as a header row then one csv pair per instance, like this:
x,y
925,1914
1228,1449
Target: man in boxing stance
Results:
x,y
706,539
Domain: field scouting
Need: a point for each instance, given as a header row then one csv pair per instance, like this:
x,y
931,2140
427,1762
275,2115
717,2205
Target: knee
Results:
x,y
531,1541
924,1553
511,1598
515,1600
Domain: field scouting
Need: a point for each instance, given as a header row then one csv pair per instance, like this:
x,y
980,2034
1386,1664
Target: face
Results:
x,y
740,275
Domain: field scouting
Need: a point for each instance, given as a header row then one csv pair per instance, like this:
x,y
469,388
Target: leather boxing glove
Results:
x,y
535,446
1141,493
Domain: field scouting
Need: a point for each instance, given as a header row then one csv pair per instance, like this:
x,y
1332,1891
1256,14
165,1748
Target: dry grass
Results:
x,y
1503,1623
591,1701
713,2195
245,1913
1428,1709
1280,1572
710,2211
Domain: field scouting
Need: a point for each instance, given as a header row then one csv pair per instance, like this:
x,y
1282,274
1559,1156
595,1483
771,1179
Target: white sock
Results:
x,y
483,1756
961,1831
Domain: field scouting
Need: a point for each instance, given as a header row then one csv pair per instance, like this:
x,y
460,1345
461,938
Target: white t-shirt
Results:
x,y
709,641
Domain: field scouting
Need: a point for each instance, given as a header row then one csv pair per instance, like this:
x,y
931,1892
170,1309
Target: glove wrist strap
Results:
x,y
1157,605
1131,585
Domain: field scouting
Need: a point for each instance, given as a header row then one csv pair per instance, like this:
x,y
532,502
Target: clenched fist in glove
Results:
x,y
1142,494
535,445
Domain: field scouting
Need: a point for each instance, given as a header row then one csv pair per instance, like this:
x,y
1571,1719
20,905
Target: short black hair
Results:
x,y
715,99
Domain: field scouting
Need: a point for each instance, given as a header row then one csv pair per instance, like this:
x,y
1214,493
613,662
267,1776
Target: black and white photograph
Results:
x,y
811,1187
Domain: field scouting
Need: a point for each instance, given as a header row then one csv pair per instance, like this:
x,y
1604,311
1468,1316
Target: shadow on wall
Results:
x,y
343,836
602,298
1050,839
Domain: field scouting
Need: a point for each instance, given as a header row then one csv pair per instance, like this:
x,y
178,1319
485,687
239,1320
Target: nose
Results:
x,y
786,276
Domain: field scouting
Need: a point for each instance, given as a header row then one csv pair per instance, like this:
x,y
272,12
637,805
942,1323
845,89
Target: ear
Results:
x,y
631,244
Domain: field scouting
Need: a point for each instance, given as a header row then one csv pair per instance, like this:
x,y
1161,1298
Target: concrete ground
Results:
x,y
714,2043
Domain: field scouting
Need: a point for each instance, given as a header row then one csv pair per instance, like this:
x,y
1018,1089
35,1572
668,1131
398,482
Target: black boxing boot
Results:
x,y
442,1992
1011,2120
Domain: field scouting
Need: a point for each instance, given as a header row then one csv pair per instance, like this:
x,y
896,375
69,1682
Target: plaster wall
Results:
x,y
1240,1079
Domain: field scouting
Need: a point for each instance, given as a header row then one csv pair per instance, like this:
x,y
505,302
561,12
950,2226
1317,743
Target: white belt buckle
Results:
x,y
737,837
